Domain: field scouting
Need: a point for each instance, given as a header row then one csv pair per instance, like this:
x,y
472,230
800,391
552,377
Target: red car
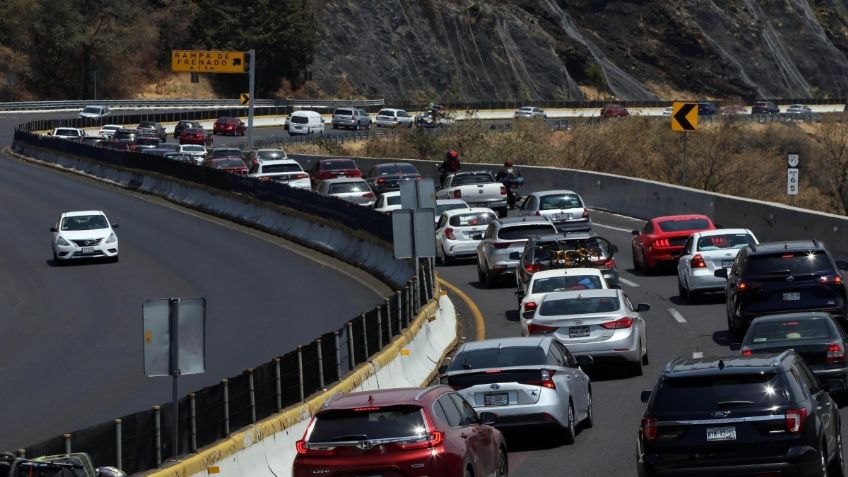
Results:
x,y
662,238
196,136
231,126
232,165
614,111
401,432
333,168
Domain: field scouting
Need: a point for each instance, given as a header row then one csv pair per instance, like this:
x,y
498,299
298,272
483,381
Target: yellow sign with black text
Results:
x,y
205,61
684,117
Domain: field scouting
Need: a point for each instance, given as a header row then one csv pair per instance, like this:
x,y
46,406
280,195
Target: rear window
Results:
x,y
169,146
579,306
368,424
229,163
393,200
441,208
345,187
713,393
226,152
343,112
716,242
573,282
498,358
386,112
124,134
685,224
791,330
790,263
336,165
521,232
545,251
396,169
193,147
146,125
299,119
67,132
281,168
560,201
271,155
473,219
472,179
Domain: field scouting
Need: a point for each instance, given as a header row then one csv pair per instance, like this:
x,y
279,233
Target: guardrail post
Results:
x,y
351,355
157,431
67,439
279,383
192,403
300,370
320,363
379,328
364,335
338,355
119,454
408,294
252,394
388,306
416,296
226,384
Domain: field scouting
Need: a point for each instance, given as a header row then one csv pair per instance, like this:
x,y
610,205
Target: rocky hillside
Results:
x,y
456,50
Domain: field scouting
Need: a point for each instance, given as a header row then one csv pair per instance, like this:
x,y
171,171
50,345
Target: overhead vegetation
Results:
x,y
63,49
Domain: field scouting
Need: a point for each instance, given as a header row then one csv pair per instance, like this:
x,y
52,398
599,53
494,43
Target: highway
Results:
x,y
71,345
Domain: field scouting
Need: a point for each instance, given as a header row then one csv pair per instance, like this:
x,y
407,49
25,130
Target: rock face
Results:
x,y
464,50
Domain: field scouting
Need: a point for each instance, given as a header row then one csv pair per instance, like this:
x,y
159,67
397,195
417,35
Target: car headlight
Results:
x,y
63,242
112,238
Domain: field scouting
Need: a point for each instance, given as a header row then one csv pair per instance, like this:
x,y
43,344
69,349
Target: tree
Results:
x,y
834,156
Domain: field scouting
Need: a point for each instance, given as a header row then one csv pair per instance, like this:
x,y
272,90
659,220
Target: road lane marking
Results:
x,y
676,315
620,229
697,355
475,311
628,282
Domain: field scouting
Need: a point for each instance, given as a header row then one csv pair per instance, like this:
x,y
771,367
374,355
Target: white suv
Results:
x,y
393,118
84,234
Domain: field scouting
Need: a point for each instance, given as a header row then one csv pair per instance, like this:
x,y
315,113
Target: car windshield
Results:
x,y
91,109
521,232
559,201
228,163
147,141
391,169
193,148
368,423
479,178
67,132
271,155
717,242
526,109
277,168
386,112
344,112
567,282
146,125
579,305
719,392
684,224
84,222
472,219
791,330
348,187
226,152
125,134
789,263
441,208
336,165
191,131
299,119
498,358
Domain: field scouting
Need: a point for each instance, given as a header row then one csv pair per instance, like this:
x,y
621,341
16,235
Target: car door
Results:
x,y
684,262
567,383
639,320
731,298
485,244
581,389
440,229
822,402
480,439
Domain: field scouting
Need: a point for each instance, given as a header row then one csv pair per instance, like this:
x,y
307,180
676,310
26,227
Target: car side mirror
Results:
x,y
643,307
443,369
645,396
721,273
54,229
488,418
842,265
514,255
115,226
585,360
634,232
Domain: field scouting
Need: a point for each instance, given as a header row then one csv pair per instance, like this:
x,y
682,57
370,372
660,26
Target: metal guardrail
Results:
x,y
185,103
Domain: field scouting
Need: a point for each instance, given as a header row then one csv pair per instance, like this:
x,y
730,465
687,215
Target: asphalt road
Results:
x,y
71,339
608,449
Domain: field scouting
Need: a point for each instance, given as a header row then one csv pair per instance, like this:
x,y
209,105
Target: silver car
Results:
x,y
603,324
530,112
799,110
565,208
524,381
351,189
351,118
703,254
393,118
503,237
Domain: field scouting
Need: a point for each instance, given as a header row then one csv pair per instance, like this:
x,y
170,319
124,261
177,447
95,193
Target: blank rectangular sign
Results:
x,y
413,233
191,336
420,194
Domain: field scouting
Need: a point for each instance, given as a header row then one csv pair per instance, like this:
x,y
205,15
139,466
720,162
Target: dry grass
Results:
x,y
178,85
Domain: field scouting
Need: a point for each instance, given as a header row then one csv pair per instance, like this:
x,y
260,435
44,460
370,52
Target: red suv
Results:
x,y
333,168
614,111
231,126
409,432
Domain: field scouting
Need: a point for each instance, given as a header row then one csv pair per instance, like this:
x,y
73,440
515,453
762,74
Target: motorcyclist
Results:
x,y
511,177
449,166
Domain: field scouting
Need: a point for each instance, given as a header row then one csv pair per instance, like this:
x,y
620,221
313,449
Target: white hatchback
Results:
x,y
284,171
393,118
549,281
459,231
703,254
84,234
387,202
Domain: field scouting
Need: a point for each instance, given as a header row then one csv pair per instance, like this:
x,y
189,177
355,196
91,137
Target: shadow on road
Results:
x,y
530,439
722,338
512,315
609,371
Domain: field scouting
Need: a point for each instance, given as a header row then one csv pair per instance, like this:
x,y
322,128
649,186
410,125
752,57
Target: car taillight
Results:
x,y
457,194
698,262
302,176
326,175
381,180
356,173
649,428
795,419
449,234
435,439
530,268
503,190
662,243
585,213
746,351
303,449
835,353
535,329
620,323
368,195
832,280
418,178
501,245
548,379
608,264
742,286
530,306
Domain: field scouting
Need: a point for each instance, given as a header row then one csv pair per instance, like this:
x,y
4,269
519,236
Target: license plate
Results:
x,y
793,296
721,433
578,331
88,250
727,263
496,399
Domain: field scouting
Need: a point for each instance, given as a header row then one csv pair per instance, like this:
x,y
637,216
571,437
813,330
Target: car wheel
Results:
x,y
590,413
837,464
480,277
568,431
646,269
446,259
503,464
56,260
638,365
822,468
116,259
468,473
681,291
502,212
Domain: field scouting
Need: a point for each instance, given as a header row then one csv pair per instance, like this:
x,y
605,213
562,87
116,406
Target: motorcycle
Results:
x,y
512,195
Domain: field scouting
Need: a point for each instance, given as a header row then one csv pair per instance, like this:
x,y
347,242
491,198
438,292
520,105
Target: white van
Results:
x,y
305,122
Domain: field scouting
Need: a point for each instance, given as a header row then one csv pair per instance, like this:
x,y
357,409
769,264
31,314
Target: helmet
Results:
x,y
453,154
508,163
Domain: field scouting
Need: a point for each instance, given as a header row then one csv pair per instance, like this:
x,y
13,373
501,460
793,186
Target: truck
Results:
x,y
68,133
477,188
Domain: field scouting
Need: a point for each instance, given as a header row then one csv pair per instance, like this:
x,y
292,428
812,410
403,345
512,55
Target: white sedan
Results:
x,y
387,202
84,234
703,254
459,231
108,130
549,281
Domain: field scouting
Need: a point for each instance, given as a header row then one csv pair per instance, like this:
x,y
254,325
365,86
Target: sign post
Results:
x,y
793,160
252,54
412,225
684,117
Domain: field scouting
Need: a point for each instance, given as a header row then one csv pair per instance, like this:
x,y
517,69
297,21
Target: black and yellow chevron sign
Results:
x,y
684,116
244,99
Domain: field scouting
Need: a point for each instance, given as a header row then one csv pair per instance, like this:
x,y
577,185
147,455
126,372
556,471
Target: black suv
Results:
x,y
781,277
765,107
706,108
540,250
739,415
